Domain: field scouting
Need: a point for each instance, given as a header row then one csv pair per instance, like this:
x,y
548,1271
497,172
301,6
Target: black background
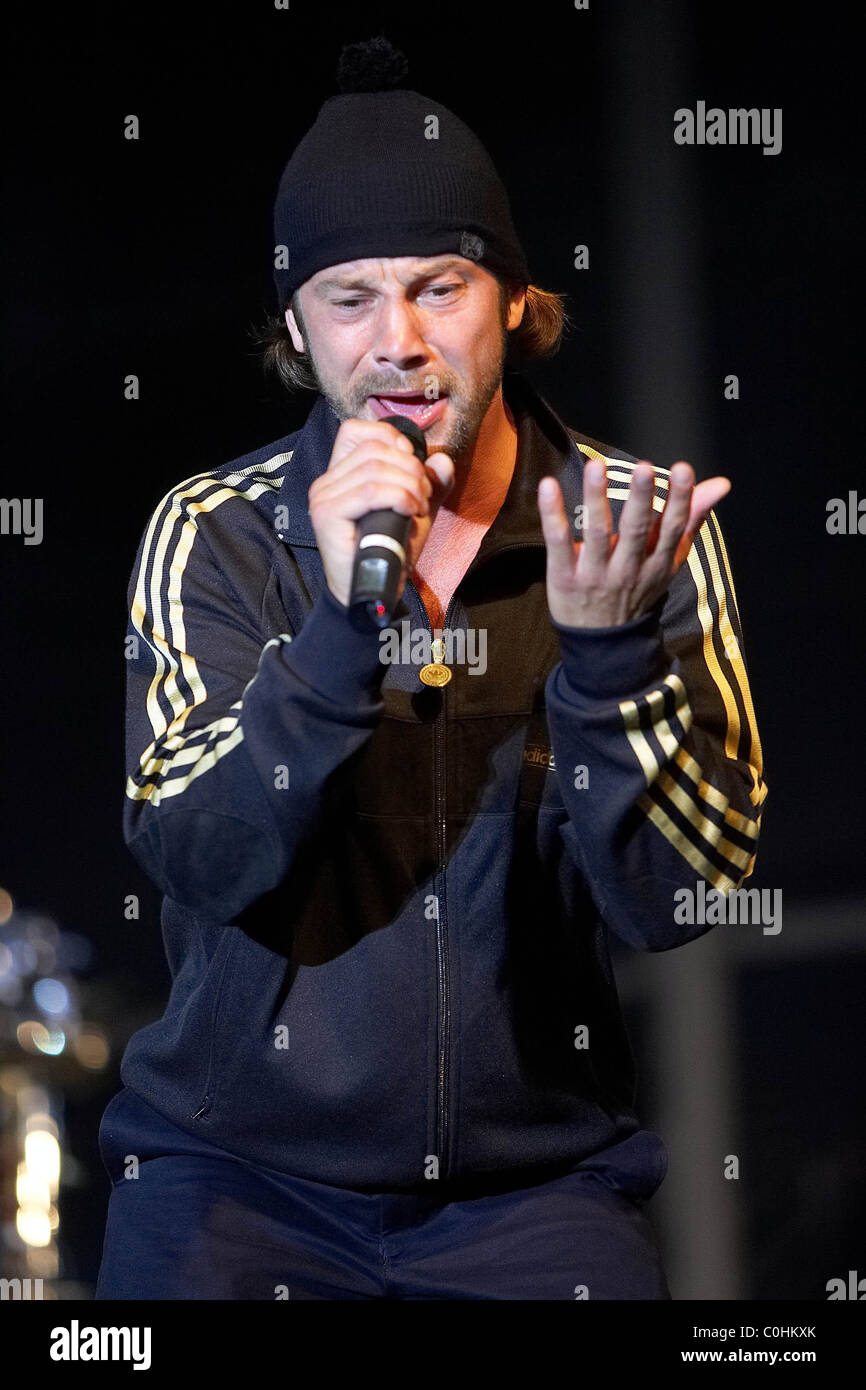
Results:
x,y
154,257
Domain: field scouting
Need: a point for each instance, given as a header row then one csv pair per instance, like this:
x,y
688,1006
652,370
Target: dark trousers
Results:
x,y
197,1223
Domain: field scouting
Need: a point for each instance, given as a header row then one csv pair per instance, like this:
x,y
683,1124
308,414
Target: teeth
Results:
x,y
414,408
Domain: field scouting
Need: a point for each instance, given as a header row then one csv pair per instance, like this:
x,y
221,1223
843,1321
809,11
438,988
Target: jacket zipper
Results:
x,y
443,1012
441,952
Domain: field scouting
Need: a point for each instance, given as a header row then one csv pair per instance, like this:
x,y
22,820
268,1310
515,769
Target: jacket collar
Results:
x,y
544,446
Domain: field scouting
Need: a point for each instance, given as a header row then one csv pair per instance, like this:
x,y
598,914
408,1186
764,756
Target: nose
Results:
x,y
398,339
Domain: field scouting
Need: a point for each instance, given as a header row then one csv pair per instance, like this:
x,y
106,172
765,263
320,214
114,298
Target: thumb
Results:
x,y
441,467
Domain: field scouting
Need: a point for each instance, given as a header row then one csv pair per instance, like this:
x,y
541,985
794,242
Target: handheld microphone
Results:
x,y
382,539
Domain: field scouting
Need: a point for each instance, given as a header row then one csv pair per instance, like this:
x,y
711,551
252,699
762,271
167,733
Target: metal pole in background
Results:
x,y
654,265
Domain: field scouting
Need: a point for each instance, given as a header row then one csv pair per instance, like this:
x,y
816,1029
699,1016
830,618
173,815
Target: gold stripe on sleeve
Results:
x,y
223,733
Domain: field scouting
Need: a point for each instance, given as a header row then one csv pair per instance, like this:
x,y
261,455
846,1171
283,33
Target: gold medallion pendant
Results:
x,y
436,673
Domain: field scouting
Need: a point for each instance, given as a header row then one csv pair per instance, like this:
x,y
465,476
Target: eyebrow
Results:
x,y
359,283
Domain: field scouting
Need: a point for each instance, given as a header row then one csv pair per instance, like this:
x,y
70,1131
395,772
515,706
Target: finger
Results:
x,y
441,472
635,524
597,529
371,449
354,432
705,497
675,515
372,488
561,549
655,529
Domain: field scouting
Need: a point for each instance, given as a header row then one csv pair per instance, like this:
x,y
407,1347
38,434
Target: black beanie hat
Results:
x,y
373,178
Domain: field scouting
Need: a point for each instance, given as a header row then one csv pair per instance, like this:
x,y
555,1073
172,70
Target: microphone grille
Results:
x,y
413,433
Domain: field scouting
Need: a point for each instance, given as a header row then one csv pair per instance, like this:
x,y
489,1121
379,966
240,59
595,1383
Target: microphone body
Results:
x,y
381,554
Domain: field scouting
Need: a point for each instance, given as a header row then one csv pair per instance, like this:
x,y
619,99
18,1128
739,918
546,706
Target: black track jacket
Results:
x,y
387,904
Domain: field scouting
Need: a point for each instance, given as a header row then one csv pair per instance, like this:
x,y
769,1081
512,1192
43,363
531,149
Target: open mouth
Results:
x,y
416,407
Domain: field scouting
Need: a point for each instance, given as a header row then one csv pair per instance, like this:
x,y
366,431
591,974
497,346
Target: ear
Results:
x,y
295,332
516,307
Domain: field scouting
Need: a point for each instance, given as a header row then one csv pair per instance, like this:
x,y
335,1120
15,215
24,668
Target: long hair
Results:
x,y
539,334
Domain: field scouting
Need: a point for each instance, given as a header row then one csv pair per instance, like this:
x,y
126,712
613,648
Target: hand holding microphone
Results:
x,y
378,478
383,536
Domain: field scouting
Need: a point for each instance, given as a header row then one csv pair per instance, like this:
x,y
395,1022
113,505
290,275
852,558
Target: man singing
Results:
x,y
393,1064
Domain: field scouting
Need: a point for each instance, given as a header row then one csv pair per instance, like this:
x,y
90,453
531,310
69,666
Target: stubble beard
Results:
x,y
469,412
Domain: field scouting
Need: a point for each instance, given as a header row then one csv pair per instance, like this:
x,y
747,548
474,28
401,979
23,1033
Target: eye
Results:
x,y
439,291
